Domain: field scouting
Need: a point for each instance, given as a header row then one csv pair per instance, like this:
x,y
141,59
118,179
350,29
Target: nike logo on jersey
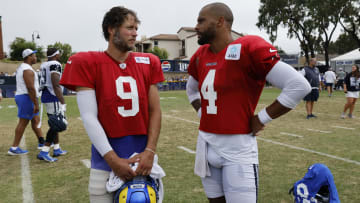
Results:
x,y
272,50
69,62
144,60
233,52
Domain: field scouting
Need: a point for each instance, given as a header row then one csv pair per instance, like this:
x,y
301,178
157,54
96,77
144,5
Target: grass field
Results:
x,y
326,139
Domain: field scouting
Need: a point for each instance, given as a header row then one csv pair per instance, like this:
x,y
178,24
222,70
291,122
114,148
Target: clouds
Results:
x,y
78,22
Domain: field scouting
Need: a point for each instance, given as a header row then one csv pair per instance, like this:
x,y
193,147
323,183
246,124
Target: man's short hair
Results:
x,y
116,17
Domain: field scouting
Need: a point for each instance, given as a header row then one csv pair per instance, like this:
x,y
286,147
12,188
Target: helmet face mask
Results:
x,y
141,189
323,195
57,122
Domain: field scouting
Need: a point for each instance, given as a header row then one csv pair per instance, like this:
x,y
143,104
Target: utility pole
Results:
x,y
2,55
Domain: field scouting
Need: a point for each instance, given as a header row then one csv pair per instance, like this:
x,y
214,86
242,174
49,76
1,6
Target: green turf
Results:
x,y
280,166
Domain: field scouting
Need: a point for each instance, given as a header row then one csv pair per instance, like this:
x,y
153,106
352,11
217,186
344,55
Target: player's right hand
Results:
x,y
121,168
256,125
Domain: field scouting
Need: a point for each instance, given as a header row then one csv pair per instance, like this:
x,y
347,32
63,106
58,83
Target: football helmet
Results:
x,y
141,189
57,122
317,186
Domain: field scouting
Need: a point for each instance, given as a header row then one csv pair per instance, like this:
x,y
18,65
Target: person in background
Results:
x,y
330,80
26,98
340,79
351,88
53,99
312,75
1,96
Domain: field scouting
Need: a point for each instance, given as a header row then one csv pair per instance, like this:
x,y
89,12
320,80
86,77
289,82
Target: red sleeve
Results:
x,y
192,68
78,73
156,70
263,56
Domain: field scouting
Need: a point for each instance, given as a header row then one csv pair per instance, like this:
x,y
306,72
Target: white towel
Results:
x,y
157,173
201,164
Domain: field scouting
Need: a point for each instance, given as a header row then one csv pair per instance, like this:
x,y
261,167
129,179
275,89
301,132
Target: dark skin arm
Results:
x,y
29,82
196,104
275,110
55,78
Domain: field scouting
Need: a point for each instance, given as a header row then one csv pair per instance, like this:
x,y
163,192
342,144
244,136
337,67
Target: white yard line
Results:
x,y
290,134
177,118
86,162
309,150
320,131
335,126
186,149
11,106
28,195
285,145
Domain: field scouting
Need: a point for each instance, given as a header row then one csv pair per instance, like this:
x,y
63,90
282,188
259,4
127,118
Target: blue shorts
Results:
x,y
312,96
329,84
124,147
25,107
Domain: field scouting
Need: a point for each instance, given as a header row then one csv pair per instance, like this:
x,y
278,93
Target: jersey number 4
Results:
x,y
208,92
133,95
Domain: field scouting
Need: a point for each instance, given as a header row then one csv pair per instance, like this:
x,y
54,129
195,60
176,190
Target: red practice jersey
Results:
x,y
230,83
121,88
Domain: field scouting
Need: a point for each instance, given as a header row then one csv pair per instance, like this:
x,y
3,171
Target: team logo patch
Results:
x,y
233,52
211,64
144,60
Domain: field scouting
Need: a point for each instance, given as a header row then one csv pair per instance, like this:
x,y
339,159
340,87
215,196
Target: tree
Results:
x,y
312,22
292,14
325,16
350,20
344,43
66,51
160,52
19,45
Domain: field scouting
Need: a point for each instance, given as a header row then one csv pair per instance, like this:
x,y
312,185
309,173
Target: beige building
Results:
x,y
179,46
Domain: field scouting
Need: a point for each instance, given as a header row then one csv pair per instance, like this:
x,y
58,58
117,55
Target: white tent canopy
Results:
x,y
350,56
346,60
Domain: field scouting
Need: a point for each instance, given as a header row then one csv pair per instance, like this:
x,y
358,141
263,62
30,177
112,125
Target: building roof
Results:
x,y
352,55
172,37
189,29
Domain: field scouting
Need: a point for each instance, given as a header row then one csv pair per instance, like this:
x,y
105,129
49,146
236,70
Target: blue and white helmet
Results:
x,y
141,189
317,186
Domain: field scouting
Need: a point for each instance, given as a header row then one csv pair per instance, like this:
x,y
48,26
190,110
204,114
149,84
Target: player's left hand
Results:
x,y
146,159
256,125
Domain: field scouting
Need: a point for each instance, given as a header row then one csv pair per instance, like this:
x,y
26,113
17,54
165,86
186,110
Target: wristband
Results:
x,y
150,150
264,116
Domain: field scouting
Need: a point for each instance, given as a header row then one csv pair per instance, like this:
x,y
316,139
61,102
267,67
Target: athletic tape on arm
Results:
x,y
294,86
86,100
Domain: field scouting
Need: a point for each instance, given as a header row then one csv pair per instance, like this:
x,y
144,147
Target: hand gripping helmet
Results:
x,y
141,189
57,122
317,186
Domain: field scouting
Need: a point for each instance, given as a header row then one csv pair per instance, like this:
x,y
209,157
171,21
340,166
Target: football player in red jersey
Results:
x,y
118,100
226,79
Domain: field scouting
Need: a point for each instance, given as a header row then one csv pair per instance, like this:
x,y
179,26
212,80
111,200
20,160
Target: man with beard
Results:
x,y
118,100
226,79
